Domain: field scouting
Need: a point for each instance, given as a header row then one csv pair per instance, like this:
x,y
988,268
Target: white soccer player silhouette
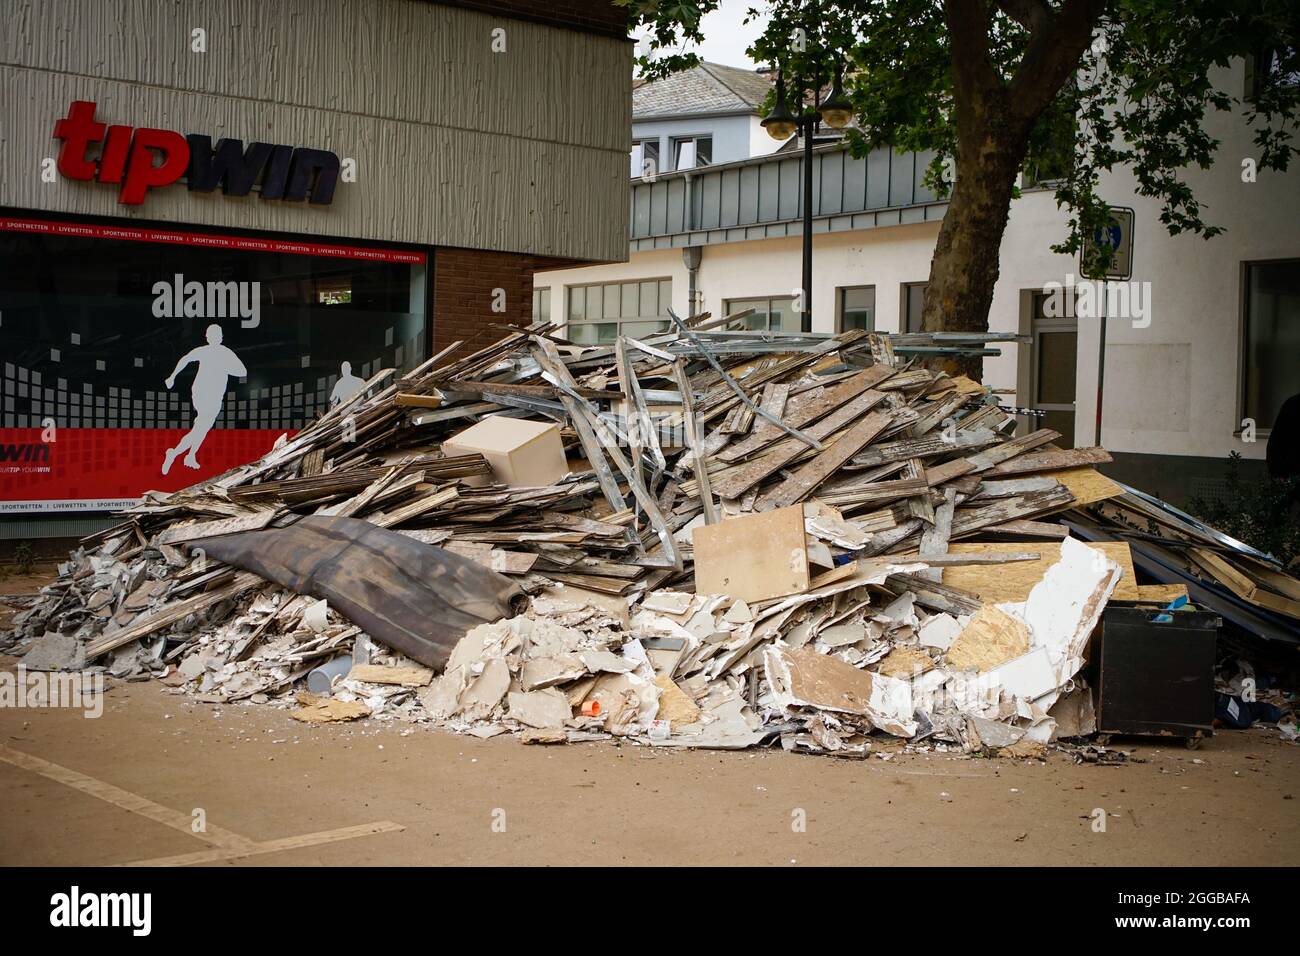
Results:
x,y
347,385
216,363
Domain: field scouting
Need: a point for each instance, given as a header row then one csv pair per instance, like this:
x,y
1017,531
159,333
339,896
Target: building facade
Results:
x,y
1202,344
219,218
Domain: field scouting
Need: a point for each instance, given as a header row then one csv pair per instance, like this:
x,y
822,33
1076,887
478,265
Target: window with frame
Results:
x,y
692,152
856,308
913,305
600,313
1271,339
1276,66
541,305
772,314
645,151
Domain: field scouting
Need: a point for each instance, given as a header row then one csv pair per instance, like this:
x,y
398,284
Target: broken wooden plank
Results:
x,y
809,476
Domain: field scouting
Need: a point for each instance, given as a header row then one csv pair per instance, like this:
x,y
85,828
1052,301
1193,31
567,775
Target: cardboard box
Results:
x,y
753,557
522,453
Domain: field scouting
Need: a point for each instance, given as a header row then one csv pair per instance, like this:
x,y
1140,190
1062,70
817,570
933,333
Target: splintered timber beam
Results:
x,y
694,442
588,425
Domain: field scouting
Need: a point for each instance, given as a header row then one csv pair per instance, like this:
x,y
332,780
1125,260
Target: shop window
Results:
x,y
1271,339
773,314
856,308
110,335
913,305
601,313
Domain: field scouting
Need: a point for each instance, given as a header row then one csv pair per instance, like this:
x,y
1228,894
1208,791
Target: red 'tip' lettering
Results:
x,y
141,173
78,130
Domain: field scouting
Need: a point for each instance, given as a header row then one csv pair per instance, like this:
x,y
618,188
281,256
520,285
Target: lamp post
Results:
x,y
782,123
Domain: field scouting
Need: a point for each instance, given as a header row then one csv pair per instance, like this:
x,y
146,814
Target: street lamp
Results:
x,y
782,123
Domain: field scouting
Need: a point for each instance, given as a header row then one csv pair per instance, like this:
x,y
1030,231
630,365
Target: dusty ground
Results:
x,y
142,770
260,774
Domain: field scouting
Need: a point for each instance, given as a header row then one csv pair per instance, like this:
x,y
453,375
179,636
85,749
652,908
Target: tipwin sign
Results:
x,y
139,159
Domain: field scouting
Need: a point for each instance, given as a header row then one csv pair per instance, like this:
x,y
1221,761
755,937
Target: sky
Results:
x,y
725,36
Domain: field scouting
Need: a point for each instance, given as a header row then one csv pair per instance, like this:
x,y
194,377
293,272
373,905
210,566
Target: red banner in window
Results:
x,y
105,468
176,237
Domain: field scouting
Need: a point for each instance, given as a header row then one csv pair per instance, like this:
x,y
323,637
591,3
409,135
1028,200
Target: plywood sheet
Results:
x,y
1086,484
991,638
752,557
1012,582
1162,593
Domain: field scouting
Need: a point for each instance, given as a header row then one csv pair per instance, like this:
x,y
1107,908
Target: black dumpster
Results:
x,y
1154,671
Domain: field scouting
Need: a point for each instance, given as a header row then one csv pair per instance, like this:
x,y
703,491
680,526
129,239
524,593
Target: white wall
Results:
x,y
773,267
761,144
1171,387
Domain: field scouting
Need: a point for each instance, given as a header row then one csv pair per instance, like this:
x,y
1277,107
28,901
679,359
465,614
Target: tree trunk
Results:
x,y
993,118
964,269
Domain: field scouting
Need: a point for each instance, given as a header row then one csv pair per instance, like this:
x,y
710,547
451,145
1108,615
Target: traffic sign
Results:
x,y
1113,243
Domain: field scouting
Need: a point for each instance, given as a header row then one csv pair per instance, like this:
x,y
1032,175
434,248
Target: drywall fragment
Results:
x,y
324,710
994,734
738,613
548,671
628,702
804,678
315,617
675,705
668,602
485,692
841,635
825,522
727,726
1074,714
441,699
901,610
990,638
1026,678
540,708
598,662
752,557
553,735
401,676
1063,608
939,631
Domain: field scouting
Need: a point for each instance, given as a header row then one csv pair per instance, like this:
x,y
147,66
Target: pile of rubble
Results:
x,y
712,537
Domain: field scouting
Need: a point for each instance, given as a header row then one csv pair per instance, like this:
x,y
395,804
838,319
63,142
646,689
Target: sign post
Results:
x,y
1112,244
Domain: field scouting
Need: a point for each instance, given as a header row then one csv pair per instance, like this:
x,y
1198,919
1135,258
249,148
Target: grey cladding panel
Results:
x,y
902,179
455,145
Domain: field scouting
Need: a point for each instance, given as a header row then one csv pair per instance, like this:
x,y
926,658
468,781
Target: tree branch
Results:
x,y
1054,51
1030,14
973,74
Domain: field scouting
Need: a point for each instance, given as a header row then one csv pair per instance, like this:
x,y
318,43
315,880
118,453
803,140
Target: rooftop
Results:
x,y
708,88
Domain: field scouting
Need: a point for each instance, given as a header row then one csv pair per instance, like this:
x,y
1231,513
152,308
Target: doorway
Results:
x,y
1053,362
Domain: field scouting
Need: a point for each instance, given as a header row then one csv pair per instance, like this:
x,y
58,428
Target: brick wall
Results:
x,y
594,16
463,285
